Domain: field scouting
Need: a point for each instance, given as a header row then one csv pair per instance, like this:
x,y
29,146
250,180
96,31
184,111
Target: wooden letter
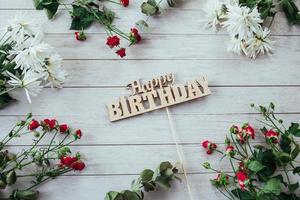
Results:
x,y
136,104
150,97
194,90
166,96
203,82
179,92
114,111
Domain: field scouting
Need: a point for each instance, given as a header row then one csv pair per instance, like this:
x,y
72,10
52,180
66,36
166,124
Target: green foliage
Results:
x,y
150,8
148,180
255,166
294,129
81,18
265,7
291,11
51,6
243,195
272,186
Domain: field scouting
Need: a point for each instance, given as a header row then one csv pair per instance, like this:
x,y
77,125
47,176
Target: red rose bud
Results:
x,y
50,123
33,125
230,151
121,52
235,129
113,41
63,128
135,37
78,134
79,165
242,178
125,3
80,36
272,136
68,160
249,131
209,146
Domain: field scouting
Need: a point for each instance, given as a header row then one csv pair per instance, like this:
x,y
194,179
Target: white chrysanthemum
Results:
x,y
215,12
29,82
22,27
237,46
242,21
54,74
33,56
259,43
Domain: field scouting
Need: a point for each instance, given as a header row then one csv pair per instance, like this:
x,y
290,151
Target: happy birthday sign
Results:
x,y
160,92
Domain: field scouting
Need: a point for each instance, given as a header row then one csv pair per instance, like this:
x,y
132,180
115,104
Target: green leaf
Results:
x,y
171,3
146,175
129,195
280,178
38,4
255,166
82,18
284,157
285,143
293,187
294,129
268,160
272,186
243,195
112,195
296,170
284,196
51,10
292,13
295,152
150,8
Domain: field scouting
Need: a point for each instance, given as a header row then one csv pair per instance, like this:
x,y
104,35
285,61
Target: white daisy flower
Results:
x,y
33,56
236,46
54,74
259,43
29,82
215,12
242,21
22,27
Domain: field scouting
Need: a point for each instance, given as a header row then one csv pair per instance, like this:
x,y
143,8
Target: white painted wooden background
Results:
x,y
115,153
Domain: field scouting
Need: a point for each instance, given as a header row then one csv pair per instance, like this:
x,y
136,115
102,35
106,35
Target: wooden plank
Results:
x,y
132,159
191,129
91,187
91,101
219,72
159,25
168,47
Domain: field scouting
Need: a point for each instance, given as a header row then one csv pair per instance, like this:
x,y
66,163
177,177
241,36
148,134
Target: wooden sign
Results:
x,y
157,93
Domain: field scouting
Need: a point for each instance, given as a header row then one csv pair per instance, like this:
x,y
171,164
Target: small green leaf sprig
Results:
x,y
85,12
152,8
148,181
39,162
260,171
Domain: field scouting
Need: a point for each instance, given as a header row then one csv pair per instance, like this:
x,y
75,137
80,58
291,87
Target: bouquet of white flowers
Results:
x,y
26,61
245,21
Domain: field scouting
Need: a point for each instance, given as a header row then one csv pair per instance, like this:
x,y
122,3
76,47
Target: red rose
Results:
x,y
80,36
242,178
63,128
272,136
121,52
125,3
135,37
79,165
209,146
68,160
230,151
33,125
113,41
78,134
50,123
249,131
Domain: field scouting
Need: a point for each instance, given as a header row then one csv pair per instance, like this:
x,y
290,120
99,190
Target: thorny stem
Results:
x,y
237,148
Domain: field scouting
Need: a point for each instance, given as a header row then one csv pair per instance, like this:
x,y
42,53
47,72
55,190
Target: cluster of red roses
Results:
x,y
114,41
72,162
52,124
242,135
